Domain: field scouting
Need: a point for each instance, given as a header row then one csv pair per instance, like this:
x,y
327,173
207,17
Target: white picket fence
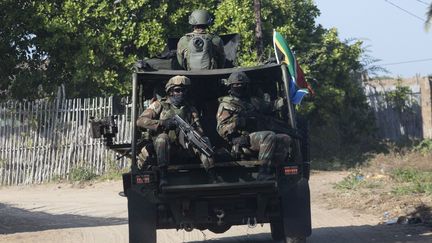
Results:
x,y
44,139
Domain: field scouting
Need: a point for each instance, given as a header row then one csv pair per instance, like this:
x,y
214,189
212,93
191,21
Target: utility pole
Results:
x,y
258,30
426,106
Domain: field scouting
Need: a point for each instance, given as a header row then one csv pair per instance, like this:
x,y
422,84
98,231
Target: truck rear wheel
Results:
x,y
277,229
295,240
142,218
278,233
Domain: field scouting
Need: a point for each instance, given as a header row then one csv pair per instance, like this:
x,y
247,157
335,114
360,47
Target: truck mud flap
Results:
x,y
296,210
142,218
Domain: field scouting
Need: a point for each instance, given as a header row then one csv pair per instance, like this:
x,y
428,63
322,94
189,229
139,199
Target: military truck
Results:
x,y
189,202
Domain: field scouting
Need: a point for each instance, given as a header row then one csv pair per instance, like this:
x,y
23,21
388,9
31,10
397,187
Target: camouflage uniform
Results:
x,y
233,121
218,58
200,20
163,139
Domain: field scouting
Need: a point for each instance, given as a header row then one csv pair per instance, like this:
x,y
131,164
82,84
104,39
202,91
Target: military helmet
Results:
x,y
237,78
177,81
200,17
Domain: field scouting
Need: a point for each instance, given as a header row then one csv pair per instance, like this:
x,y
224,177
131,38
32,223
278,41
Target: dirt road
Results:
x,y
95,213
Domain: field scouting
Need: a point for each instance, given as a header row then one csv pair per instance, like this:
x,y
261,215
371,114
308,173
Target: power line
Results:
x,y
406,11
425,3
412,61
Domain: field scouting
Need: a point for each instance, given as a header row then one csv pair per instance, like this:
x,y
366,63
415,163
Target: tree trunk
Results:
x,y
429,17
258,30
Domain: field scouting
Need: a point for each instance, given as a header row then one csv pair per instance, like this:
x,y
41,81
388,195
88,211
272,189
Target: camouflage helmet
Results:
x,y
177,81
200,17
237,78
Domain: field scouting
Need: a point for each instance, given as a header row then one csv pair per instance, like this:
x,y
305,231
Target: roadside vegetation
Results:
x,y
83,174
392,185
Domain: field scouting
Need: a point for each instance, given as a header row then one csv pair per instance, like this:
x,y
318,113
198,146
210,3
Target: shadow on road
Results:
x,y
351,234
16,220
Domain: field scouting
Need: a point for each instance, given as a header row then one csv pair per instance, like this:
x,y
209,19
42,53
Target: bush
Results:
x,y
113,171
424,146
412,181
351,182
81,174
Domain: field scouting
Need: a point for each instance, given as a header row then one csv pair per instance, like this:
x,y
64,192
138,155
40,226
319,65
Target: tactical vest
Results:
x,y
169,111
237,108
237,105
199,55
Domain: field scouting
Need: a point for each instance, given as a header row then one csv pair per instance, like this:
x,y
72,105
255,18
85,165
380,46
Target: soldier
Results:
x,y
237,125
199,49
158,119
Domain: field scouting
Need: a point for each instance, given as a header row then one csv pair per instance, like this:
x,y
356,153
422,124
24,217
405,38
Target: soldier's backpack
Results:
x,y
199,54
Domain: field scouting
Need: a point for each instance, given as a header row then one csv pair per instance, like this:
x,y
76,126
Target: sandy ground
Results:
x,y
95,213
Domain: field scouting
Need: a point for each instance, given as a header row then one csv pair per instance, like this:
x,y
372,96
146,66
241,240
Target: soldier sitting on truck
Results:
x,y
238,122
200,50
158,118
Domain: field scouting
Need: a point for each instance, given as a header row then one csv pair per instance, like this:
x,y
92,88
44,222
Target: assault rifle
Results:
x,y
193,137
260,122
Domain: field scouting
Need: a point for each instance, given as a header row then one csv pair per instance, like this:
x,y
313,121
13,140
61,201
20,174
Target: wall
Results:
x,y
395,124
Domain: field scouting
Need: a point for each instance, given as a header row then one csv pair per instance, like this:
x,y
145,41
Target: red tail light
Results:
x,y
143,179
290,170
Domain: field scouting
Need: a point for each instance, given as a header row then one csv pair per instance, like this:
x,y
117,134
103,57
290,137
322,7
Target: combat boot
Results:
x,y
264,173
163,176
214,178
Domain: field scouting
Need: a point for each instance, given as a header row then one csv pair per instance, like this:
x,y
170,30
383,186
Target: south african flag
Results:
x,y
298,85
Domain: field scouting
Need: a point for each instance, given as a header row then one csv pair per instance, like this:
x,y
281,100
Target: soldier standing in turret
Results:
x,y
237,124
200,50
158,119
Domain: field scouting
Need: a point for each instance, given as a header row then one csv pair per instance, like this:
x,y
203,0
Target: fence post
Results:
x,y
426,106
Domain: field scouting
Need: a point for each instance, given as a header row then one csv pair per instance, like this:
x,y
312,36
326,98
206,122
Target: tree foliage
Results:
x,y
90,46
399,98
428,17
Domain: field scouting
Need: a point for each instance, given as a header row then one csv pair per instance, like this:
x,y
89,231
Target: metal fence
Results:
x,y
45,139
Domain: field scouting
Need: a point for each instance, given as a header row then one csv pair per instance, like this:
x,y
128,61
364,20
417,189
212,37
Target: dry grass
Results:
x,y
389,185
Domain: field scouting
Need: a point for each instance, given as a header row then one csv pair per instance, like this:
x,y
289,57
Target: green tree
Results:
x,y
335,64
21,65
90,46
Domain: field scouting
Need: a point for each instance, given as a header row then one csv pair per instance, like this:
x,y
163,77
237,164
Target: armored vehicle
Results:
x,y
189,201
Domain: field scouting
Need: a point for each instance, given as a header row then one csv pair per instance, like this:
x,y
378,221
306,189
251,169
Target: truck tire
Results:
x,y
277,229
295,239
278,233
142,218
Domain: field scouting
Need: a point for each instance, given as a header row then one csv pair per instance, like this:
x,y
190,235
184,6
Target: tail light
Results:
x,y
290,170
144,179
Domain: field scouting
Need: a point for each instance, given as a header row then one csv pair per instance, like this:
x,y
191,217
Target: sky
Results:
x,y
389,33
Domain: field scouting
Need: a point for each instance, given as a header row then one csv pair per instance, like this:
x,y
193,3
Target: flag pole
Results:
x,y
286,80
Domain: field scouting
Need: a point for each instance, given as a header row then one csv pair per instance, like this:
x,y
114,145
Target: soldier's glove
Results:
x,y
241,141
168,124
